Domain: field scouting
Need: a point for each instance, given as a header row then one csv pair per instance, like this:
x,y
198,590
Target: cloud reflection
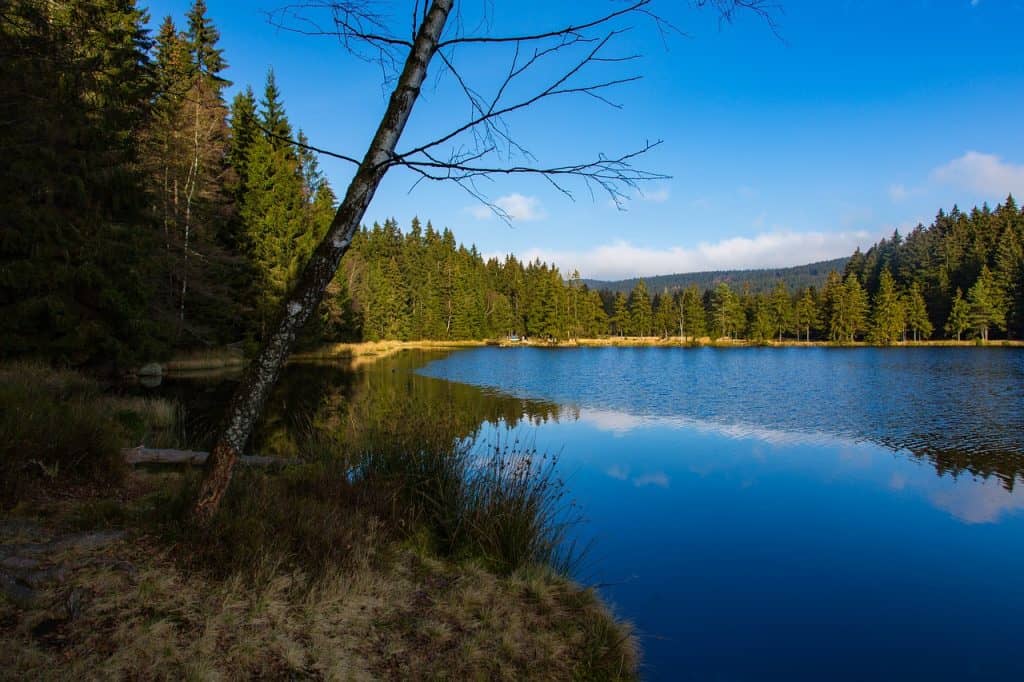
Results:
x,y
971,500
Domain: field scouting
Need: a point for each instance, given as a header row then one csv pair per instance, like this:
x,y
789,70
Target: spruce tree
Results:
x,y
887,314
917,314
640,310
691,312
667,315
805,314
983,299
272,115
856,300
959,316
621,321
781,309
726,311
77,251
203,36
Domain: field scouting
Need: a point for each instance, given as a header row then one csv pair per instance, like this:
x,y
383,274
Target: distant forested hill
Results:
x,y
796,278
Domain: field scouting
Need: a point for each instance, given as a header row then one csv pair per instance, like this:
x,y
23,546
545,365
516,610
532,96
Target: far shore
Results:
x,y
370,351
364,353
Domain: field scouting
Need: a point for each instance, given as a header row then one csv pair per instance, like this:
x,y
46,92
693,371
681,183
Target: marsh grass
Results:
x,y
198,360
501,506
58,427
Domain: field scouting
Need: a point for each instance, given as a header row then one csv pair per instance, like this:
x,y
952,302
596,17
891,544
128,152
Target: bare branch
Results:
x,y
304,145
557,33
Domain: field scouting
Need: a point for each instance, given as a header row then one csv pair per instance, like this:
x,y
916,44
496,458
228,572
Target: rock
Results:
x,y
151,369
15,592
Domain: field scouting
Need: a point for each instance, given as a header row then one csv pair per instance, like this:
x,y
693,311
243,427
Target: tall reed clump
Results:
x,y
499,505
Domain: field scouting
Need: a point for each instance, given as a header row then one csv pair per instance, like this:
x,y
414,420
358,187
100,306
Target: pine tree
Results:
x,y
805,315
667,314
781,309
243,134
203,36
691,311
857,307
984,303
887,314
959,316
917,314
640,310
272,116
726,310
621,321
1009,273
835,311
77,247
761,327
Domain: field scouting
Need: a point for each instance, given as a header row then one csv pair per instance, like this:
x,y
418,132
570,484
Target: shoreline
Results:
x,y
370,351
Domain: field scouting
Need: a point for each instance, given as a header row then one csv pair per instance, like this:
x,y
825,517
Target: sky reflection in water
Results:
x,y
755,550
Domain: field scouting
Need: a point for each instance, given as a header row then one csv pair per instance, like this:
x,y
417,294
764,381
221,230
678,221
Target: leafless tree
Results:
x,y
542,65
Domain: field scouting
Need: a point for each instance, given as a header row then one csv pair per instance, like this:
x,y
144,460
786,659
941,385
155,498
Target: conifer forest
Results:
x,y
143,213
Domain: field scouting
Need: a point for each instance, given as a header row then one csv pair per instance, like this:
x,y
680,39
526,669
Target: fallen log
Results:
x,y
142,455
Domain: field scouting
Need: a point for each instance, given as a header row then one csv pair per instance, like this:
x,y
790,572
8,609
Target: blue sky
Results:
x,y
863,118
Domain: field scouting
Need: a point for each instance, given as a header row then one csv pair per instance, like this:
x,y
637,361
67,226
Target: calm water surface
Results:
x,y
805,514
793,513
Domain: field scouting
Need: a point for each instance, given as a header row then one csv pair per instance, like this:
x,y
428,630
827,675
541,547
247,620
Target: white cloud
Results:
x,y
657,196
898,193
983,173
516,206
620,259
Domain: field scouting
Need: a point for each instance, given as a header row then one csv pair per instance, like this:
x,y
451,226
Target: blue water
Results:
x,y
794,513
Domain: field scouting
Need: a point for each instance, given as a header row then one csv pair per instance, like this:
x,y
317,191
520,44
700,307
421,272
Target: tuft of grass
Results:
x,y
54,429
58,428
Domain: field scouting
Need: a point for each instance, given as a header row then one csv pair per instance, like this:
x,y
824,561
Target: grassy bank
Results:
x,y
368,352
399,556
201,360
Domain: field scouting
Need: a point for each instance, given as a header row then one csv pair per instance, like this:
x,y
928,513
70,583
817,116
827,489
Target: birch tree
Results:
x,y
544,65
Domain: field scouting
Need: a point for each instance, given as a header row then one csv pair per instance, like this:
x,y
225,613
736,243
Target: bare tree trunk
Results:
x,y
247,403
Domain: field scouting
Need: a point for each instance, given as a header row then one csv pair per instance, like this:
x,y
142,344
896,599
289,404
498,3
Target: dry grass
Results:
x,y
396,613
369,352
215,358
398,558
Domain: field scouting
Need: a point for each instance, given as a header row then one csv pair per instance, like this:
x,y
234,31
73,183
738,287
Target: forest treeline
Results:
x,y
960,277
142,213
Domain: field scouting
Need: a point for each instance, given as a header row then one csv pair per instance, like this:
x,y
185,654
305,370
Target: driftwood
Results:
x,y
142,455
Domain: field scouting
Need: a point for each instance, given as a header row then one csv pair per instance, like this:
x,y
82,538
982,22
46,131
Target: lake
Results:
x,y
757,513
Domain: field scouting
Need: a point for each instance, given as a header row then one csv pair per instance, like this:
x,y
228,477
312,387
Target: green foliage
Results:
x,y
805,314
888,316
984,301
959,316
640,314
726,311
76,83
621,320
917,313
